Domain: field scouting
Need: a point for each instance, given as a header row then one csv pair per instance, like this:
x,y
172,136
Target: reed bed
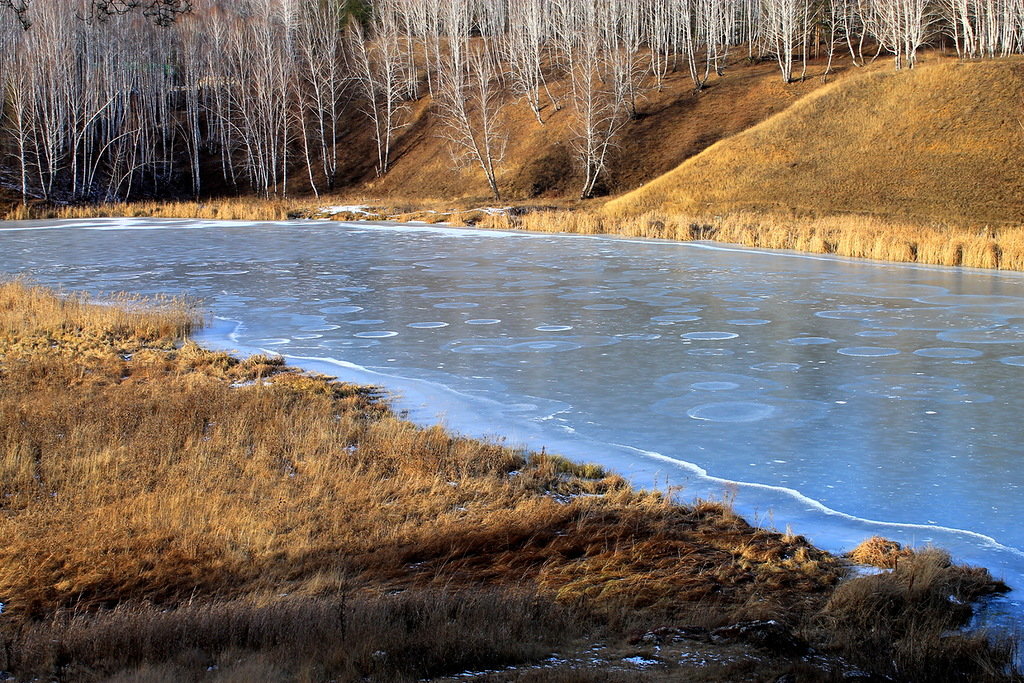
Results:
x,y
241,209
854,236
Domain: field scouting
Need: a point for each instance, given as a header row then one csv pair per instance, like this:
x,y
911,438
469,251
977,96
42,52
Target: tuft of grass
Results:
x,y
902,623
880,552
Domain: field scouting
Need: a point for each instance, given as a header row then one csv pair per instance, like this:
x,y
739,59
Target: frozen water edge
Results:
x,y
850,281
427,403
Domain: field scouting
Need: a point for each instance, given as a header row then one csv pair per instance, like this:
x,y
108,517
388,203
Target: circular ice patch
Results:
x,y
776,367
714,381
365,321
748,321
529,344
732,411
853,312
948,352
807,341
545,345
868,351
714,386
427,326
743,309
340,310
877,333
457,304
553,328
740,299
783,413
376,334
483,321
479,348
1013,360
710,352
639,337
675,318
709,336
603,307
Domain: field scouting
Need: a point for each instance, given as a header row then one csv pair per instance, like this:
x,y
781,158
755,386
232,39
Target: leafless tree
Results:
x,y
900,26
379,70
469,103
783,29
323,84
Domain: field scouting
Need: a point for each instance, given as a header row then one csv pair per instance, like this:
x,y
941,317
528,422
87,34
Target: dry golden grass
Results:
x,y
880,552
165,509
854,236
247,209
939,143
135,470
900,623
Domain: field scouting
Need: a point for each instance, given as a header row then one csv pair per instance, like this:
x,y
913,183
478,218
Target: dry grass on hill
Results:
x,y
942,142
167,509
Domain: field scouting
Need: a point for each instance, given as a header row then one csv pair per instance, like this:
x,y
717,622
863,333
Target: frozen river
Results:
x,y
841,398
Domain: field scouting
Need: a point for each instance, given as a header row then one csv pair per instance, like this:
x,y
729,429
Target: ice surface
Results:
x,y
586,345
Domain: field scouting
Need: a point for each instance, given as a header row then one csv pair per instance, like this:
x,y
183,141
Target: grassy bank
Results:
x,y
856,236
173,513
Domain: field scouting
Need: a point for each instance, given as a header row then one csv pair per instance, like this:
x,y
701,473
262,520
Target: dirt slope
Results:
x,y
942,142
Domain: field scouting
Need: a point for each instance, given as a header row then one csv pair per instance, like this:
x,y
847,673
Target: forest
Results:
x,y
112,100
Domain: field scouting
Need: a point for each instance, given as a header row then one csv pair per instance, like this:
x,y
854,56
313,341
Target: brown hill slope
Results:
x,y
672,125
943,142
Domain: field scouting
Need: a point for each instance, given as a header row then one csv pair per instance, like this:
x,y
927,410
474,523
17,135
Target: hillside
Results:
x,y
672,125
943,142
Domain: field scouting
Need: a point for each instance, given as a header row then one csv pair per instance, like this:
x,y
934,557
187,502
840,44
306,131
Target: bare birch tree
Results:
x,y
379,70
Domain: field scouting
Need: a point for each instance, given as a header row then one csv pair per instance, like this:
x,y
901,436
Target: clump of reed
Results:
x,y
903,623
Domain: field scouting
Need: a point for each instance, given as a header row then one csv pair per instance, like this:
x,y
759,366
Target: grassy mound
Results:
x,y
943,142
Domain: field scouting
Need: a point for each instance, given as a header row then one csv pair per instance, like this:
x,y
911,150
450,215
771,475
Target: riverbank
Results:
x,y
855,236
176,511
